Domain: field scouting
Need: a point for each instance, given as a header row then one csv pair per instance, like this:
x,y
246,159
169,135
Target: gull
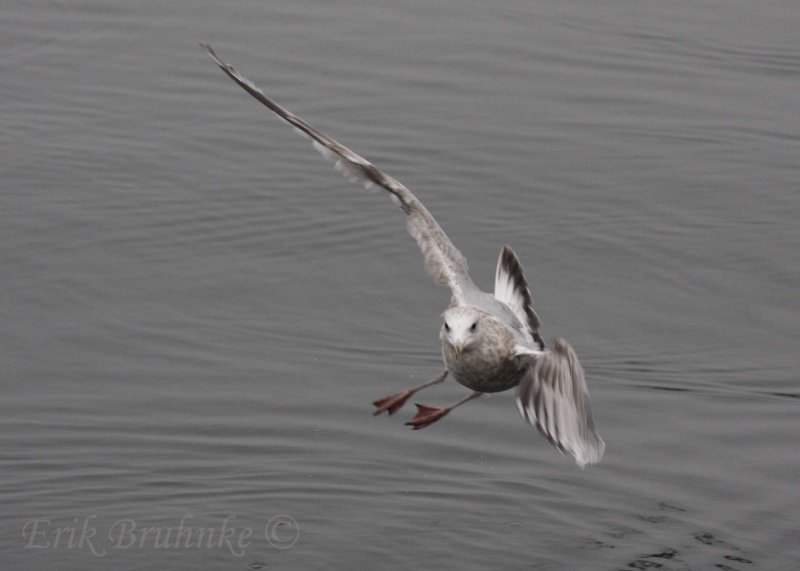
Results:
x,y
490,341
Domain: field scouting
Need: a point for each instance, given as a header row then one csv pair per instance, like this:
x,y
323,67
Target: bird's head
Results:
x,y
461,329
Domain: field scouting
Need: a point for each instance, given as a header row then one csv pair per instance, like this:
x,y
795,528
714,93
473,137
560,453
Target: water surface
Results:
x,y
197,311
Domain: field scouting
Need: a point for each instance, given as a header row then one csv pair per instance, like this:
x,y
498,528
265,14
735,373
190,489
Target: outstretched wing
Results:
x,y
442,259
511,287
554,397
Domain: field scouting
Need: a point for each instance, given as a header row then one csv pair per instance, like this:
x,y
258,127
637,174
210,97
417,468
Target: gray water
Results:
x,y
197,310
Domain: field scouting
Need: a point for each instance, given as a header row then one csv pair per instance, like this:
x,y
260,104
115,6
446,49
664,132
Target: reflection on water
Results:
x,y
197,311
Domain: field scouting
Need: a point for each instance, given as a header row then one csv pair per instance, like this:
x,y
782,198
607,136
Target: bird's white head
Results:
x,y
461,329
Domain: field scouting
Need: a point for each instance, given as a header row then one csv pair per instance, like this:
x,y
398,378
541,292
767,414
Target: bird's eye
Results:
x,y
446,326
473,327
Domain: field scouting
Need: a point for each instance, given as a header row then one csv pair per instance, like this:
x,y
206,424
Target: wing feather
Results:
x,y
554,397
442,259
511,287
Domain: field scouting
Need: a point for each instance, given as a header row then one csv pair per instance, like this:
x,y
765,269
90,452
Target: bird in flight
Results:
x,y
490,341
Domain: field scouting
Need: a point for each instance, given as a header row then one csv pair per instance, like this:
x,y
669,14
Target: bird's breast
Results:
x,y
487,368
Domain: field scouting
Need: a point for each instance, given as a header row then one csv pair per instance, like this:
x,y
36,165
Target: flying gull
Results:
x,y
490,342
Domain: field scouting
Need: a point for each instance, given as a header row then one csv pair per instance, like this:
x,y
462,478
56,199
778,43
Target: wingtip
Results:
x,y
212,54
592,456
507,257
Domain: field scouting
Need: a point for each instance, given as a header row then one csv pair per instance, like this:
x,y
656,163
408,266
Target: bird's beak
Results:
x,y
457,350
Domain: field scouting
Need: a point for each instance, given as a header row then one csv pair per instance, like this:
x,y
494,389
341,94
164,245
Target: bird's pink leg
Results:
x,y
427,415
392,403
